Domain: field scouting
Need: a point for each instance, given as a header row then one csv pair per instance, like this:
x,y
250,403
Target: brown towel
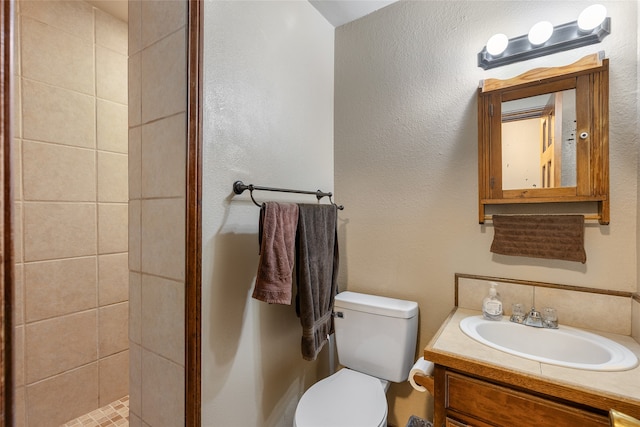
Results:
x,y
278,222
317,274
540,236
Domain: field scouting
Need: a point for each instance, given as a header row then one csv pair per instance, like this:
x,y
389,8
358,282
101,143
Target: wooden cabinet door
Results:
x,y
450,422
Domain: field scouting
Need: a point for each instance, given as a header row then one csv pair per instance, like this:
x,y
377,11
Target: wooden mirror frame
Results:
x,y
590,77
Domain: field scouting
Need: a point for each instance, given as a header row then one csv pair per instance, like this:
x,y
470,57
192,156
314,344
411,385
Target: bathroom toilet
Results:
x,y
376,342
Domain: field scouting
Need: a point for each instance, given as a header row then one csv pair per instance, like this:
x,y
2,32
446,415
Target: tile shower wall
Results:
x,y
157,160
71,194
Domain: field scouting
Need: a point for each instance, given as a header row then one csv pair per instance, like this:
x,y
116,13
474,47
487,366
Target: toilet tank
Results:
x,y
376,335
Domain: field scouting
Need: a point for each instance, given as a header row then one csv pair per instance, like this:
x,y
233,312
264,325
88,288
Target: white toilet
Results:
x,y
376,343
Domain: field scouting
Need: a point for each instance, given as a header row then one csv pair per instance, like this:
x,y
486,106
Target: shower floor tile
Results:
x,y
114,414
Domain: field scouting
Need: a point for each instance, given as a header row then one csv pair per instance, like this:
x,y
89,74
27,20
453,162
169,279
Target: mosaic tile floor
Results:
x,y
114,414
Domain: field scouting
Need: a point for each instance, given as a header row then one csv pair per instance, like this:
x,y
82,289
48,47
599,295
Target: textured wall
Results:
x,y
406,155
70,172
268,120
636,304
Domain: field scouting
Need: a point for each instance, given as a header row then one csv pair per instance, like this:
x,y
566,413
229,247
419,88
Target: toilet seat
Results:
x,y
345,399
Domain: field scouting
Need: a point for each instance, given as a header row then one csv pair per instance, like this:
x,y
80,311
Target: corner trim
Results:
x,y
6,254
193,262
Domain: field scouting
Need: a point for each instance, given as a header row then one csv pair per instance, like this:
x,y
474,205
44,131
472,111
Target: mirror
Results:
x,y
543,137
538,141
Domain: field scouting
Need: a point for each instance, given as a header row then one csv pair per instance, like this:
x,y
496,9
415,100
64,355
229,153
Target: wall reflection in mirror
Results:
x,y
539,141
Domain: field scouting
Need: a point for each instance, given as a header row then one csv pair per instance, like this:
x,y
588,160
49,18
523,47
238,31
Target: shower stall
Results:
x,y
71,309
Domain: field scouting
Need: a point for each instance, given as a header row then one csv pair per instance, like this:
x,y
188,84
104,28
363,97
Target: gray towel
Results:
x,y
316,273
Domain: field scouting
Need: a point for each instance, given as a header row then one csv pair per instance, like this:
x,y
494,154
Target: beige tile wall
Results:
x,y
157,159
71,211
635,327
600,312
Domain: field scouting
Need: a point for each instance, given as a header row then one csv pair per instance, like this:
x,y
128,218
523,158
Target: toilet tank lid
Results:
x,y
375,304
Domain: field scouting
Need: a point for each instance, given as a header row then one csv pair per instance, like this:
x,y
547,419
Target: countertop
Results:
x,y
604,390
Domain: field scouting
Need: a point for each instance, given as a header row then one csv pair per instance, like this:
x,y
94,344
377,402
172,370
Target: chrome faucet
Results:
x,y
546,319
534,318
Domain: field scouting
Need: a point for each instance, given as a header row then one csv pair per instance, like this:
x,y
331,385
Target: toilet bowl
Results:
x,y
375,340
345,399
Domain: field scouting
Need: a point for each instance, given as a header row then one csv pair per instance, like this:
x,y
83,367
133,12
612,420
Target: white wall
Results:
x,y
638,121
406,155
268,120
635,328
521,154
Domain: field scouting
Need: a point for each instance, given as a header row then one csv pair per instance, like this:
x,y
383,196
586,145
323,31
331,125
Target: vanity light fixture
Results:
x,y
497,44
591,17
540,33
592,27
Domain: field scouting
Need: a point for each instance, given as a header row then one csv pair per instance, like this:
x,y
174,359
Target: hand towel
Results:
x,y
316,274
274,280
540,236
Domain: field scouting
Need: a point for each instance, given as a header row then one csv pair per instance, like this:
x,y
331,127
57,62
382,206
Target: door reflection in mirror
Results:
x,y
539,141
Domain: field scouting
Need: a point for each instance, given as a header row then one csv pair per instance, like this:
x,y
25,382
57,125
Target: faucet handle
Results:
x,y
549,318
517,313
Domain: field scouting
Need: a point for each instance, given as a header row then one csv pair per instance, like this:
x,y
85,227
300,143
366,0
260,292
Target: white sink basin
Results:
x,y
565,346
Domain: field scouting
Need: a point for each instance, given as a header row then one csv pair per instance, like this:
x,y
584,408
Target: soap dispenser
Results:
x,y
492,304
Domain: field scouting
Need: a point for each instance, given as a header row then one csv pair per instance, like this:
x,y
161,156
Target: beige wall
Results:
x,y
406,155
520,154
268,120
71,211
157,159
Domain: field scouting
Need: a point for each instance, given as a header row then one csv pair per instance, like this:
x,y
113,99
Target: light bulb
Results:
x,y
591,17
497,44
540,33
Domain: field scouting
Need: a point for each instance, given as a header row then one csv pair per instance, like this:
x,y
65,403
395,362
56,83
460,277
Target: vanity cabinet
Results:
x,y
463,400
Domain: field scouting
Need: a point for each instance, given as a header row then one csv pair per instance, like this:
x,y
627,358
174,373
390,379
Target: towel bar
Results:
x,y
590,217
239,187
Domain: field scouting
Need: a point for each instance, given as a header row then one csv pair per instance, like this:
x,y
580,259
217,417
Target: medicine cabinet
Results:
x,y
543,137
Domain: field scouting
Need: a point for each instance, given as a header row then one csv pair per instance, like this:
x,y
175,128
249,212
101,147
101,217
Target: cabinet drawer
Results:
x,y
500,406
